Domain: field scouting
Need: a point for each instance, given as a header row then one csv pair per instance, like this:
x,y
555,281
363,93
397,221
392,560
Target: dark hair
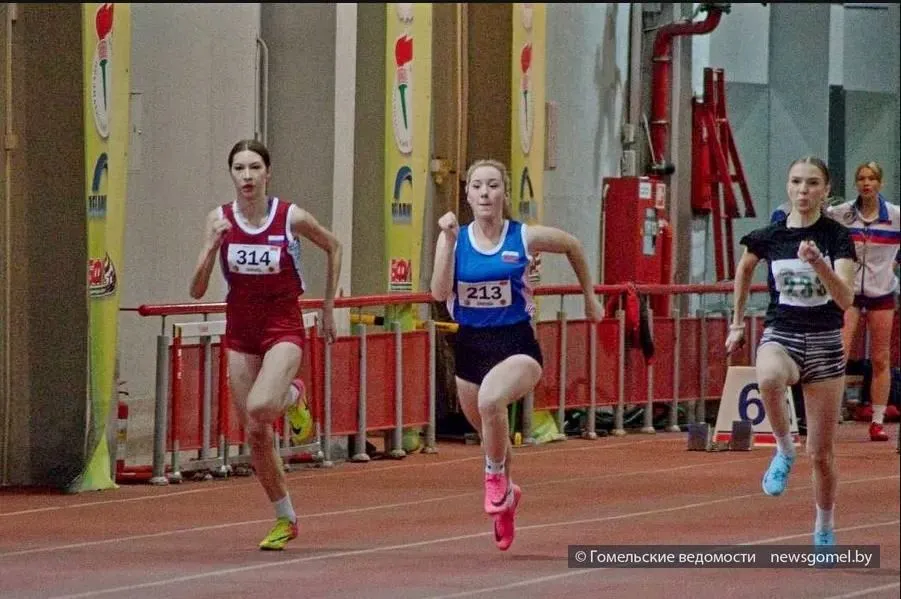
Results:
x,y
252,145
817,163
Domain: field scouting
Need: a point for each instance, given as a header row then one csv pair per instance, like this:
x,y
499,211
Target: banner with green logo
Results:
x,y
408,85
106,30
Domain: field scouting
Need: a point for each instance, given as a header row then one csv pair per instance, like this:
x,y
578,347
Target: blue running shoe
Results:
x,y
824,538
824,543
776,475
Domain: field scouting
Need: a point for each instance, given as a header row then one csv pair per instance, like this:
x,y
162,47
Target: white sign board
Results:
x,y
741,401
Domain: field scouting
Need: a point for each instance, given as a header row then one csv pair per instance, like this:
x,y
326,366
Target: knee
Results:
x,y
259,432
880,362
489,405
821,458
771,382
261,411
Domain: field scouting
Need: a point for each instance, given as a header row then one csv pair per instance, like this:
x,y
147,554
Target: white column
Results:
x,y
343,175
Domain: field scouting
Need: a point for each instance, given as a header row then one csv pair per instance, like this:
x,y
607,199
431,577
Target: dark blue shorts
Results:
x,y
885,302
479,349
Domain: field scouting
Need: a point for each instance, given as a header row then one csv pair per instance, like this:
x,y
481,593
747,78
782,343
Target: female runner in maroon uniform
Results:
x,y
256,240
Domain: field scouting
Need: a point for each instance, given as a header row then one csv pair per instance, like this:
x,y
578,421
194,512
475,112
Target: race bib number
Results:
x,y
486,294
249,259
798,284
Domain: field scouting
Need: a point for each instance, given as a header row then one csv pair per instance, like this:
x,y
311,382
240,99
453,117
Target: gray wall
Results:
x,y
368,265
197,76
300,132
587,69
799,88
777,95
870,45
194,84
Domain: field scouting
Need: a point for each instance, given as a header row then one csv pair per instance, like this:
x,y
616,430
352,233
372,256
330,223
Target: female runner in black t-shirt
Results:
x,y
811,259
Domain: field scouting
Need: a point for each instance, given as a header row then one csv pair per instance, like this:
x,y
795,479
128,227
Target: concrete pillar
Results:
x,y
799,89
43,314
343,176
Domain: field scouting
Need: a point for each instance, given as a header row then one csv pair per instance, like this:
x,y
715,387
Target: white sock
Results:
x,y
284,509
785,445
824,518
492,467
878,414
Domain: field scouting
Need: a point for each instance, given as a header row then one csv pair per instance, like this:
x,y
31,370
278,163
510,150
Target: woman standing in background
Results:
x,y
875,227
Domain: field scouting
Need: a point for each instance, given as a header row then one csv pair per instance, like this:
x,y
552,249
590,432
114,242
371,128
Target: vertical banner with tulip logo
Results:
x,y
408,83
106,31
528,135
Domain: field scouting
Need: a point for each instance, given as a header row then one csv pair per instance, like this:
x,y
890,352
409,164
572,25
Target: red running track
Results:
x,y
414,528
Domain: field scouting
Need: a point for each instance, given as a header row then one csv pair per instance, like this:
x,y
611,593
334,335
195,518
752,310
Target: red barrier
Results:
x,y
698,360
380,381
186,397
578,366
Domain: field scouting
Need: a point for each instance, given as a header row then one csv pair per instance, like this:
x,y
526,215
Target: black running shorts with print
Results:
x,y
819,356
479,349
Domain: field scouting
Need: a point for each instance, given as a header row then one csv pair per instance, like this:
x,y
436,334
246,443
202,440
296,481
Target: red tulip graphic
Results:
x,y
403,55
103,23
403,50
525,58
103,20
525,61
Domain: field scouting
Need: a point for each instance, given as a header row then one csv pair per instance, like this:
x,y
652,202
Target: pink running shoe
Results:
x,y
504,529
498,495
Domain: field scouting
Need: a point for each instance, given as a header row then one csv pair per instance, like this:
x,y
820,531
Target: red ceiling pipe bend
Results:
x,y
660,79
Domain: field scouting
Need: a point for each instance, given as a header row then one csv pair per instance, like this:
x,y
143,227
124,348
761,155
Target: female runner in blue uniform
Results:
x,y
481,271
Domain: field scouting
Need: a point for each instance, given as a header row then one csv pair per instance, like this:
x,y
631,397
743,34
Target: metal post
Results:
x,y
701,407
430,446
161,406
397,451
327,408
528,408
561,387
360,454
591,433
207,407
674,406
648,427
618,429
223,407
178,375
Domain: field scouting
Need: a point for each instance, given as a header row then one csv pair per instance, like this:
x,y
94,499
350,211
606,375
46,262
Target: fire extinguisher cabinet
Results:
x,y
633,213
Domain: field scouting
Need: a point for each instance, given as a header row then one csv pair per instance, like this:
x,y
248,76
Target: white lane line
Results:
x,y
348,511
440,540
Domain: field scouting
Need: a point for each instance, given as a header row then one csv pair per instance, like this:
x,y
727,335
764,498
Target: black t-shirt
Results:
x,y
799,301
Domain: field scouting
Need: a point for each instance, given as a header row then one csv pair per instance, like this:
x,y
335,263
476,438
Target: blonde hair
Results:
x,y
505,175
873,166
